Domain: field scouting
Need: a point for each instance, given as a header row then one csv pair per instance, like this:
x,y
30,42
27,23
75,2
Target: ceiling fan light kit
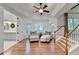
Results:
x,y
41,9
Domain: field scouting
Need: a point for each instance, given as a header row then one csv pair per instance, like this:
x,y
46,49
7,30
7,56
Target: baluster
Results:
x,y
71,36
76,35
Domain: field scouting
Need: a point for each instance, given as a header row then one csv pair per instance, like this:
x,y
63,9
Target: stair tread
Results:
x,y
72,44
69,42
64,43
61,44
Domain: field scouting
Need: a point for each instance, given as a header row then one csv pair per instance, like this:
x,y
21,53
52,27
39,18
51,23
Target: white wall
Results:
x,y
73,16
20,29
9,17
1,30
47,22
9,37
60,22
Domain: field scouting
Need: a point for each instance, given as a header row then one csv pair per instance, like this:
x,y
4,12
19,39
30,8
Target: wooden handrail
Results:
x,y
58,29
72,31
55,33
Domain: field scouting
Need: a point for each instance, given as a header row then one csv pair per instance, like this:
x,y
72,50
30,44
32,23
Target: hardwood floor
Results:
x,y
36,48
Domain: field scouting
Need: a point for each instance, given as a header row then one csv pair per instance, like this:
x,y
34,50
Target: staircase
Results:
x,y
69,43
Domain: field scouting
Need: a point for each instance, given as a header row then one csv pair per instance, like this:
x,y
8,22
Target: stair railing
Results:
x,y
67,36
56,32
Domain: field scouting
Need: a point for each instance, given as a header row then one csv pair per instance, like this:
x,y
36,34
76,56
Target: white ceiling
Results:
x,y
75,10
26,10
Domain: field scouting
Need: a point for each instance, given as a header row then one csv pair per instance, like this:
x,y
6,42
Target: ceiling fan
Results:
x,y
41,9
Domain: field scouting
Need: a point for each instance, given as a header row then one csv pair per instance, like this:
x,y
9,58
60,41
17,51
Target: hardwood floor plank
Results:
x,y
26,48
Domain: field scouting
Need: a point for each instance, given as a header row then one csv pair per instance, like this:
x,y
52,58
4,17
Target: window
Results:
x,y
28,28
40,28
53,28
72,23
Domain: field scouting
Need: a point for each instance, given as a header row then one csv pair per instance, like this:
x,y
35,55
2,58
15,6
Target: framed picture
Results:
x,y
10,26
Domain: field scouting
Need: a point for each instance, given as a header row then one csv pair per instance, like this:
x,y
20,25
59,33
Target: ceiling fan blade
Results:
x,y
45,6
46,11
36,7
35,11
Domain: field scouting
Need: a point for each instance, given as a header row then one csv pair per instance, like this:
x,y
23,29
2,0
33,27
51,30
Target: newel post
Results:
x,y
66,31
54,37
